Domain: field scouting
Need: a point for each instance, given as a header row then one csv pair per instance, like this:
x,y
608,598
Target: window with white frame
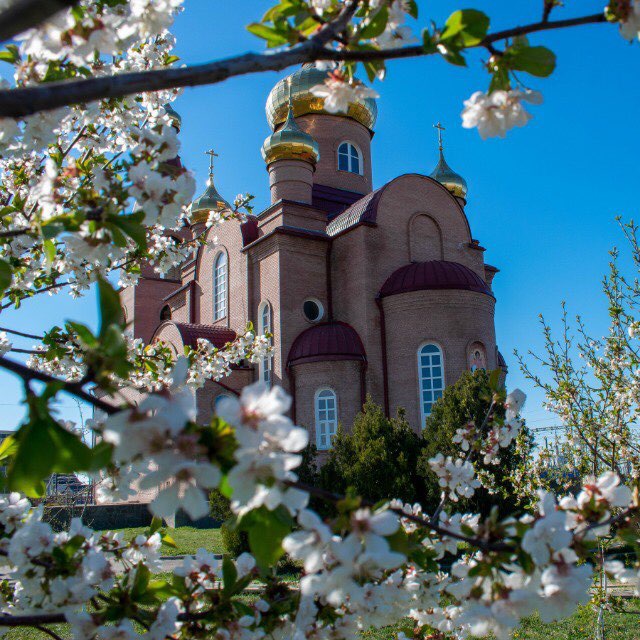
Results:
x,y
326,418
265,327
349,158
220,286
431,377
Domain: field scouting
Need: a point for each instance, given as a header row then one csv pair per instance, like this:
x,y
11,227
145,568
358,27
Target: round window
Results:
x,y
312,310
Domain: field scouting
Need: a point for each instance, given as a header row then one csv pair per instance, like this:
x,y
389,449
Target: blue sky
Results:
x,y
542,201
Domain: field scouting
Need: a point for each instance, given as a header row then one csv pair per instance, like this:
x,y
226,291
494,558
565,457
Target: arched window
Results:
x,y
165,313
264,326
218,399
220,286
349,158
326,417
431,377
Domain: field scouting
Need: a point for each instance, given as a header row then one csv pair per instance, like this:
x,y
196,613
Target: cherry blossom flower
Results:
x,y
338,93
549,533
496,113
458,477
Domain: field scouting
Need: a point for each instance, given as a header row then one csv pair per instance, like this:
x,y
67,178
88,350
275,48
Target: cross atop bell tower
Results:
x,y
212,154
440,129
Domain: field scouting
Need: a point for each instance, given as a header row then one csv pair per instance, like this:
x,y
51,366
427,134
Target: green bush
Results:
x,y
234,542
379,458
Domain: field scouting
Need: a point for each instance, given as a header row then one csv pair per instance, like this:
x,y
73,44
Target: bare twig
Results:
x,y
25,101
21,334
73,388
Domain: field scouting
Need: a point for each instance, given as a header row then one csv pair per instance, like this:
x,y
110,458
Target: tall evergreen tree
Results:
x,y
379,458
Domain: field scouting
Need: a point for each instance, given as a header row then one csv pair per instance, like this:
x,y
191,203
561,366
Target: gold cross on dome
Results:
x,y
212,154
440,129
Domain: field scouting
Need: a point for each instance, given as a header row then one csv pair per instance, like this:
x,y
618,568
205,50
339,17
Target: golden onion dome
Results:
x,y
365,110
290,143
448,178
209,201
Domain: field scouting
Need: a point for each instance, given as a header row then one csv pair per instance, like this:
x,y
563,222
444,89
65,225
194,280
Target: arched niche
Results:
x,y
425,239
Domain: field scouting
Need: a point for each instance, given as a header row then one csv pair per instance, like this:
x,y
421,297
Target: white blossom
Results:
x,y
496,113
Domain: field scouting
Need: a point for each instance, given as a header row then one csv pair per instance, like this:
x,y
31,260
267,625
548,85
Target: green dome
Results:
x,y
448,178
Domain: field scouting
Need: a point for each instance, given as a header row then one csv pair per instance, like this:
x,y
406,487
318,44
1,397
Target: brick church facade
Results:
x,y
382,292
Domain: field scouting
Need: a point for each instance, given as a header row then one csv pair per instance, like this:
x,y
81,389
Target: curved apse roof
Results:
x,y
433,274
327,341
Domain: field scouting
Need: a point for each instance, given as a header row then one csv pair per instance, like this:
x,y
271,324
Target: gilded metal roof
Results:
x,y
209,201
290,143
448,178
304,102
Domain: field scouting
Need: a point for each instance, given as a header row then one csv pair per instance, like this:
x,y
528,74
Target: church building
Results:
x,y
382,292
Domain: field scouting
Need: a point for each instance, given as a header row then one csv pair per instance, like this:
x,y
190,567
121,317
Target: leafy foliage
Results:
x,y
377,458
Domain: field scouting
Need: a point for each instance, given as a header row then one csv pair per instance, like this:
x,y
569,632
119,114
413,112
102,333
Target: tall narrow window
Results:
x,y
265,327
326,417
349,158
220,286
431,376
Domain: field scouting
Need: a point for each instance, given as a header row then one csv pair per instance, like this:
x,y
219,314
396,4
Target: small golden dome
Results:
x,y
448,178
210,200
290,143
365,111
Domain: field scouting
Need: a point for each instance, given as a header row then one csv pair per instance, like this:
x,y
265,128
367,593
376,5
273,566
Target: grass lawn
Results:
x,y
580,626
188,539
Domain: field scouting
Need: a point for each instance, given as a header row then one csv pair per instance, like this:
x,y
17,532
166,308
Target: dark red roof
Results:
x,y
217,336
502,363
327,341
249,230
433,274
333,201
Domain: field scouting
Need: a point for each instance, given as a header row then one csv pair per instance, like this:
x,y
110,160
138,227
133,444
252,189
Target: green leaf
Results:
x,y
141,581
156,525
377,25
11,54
6,276
110,308
538,61
274,37
469,26
169,541
44,447
454,57
131,225
8,447
266,531
229,573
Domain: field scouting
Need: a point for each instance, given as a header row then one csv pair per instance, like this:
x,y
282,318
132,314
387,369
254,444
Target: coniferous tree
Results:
x,y
378,458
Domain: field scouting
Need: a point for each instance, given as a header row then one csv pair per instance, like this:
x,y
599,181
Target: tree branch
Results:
x,y
26,101
73,388
21,334
24,14
329,496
